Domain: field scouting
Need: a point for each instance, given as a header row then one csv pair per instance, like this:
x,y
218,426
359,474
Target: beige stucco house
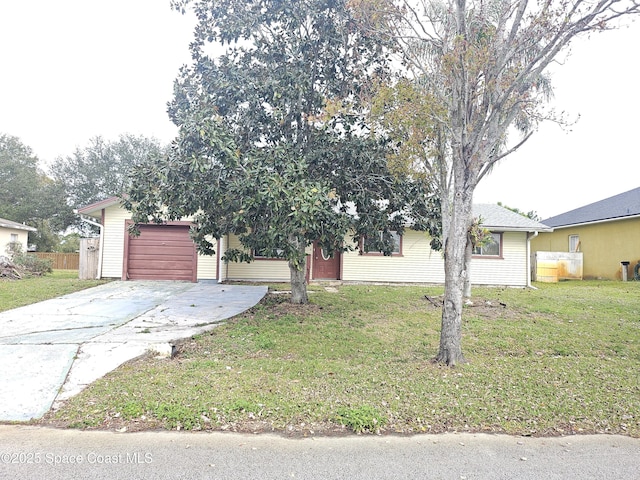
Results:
x,y
167,252
607,233
11,232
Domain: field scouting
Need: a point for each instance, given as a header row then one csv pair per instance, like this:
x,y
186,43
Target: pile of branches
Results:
x,y
8,269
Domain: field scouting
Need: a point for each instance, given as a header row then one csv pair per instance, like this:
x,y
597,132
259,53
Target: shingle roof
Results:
x,y
625,204
495,217
16,225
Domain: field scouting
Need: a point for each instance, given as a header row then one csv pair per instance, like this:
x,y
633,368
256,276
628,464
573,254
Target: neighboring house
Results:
x,y
606,232
11,232
167,252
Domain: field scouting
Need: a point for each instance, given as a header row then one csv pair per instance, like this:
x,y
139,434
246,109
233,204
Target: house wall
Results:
x,y
510,270
419,264
604,245
208,266
5,238
113,255
114,230
261,269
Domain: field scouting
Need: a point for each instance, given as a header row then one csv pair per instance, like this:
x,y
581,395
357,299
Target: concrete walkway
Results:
x,y
51,350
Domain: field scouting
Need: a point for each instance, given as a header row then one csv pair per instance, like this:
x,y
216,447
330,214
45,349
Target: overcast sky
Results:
x,y
75,69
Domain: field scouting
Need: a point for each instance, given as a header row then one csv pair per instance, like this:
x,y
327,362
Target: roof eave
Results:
x,y
502,228
594,222
17,226
98,206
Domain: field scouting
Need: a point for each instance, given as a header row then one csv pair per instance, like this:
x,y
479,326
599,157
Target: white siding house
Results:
x,y
505,262
415,263
115,222
260,270
419,264
12,232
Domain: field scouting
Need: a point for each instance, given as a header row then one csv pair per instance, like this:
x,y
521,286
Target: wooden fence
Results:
x,y
61,261
89,258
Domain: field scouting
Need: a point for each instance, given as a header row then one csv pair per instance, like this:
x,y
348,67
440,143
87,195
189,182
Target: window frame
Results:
x,y
257,256
500,248
400,242
576,248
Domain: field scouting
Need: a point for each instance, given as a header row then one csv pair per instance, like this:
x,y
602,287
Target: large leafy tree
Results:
x,y
272,144
29,196
482,65
101,169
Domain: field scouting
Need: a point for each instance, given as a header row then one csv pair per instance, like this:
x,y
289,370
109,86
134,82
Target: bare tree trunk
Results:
x,y
450,352
298,275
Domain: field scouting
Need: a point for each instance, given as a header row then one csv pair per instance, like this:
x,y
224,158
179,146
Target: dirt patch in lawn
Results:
x,y
279,305
491,308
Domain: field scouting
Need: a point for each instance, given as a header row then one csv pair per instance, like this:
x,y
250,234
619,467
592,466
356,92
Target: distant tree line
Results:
x,y
46,198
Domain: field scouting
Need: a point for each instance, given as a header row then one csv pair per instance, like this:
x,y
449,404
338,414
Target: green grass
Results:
x,y
17,293
558,360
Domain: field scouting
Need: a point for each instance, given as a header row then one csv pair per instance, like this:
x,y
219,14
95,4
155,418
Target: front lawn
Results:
x,y
562,359
17,293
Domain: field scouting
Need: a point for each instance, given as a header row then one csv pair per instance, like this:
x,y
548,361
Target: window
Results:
x,y
574,243
263,254
14,237
371,245
492,247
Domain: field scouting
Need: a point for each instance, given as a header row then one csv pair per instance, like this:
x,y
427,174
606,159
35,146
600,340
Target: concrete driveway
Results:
x,y
51,350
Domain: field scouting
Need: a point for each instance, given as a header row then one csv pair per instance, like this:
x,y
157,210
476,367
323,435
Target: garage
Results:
x,y
161,252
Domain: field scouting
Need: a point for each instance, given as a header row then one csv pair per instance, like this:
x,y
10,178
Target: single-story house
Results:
x,y
167,252
607,233
12,232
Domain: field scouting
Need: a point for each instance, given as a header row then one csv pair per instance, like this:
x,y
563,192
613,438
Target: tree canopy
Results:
x,y
29,196
101,169
273,143
532,214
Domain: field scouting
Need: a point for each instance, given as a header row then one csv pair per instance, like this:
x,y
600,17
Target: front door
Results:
x,y
325,266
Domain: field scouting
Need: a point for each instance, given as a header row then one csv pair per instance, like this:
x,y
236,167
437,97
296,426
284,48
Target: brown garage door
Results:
x,y
161,252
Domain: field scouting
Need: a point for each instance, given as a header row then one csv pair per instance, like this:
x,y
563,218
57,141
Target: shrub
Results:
x,y
28,265
361,419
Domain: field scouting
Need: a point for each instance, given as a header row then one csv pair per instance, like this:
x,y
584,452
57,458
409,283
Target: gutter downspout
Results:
x,y
101,227
529,238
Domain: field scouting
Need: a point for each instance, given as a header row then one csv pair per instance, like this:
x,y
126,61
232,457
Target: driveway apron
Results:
x,y
51,350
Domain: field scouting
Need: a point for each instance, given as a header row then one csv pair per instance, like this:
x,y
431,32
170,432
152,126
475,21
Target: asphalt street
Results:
x,y
28,452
